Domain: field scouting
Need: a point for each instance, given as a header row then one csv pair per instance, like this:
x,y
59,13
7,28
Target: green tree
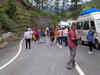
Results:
x,y
57,6
11,8
64,3
38,2
75,3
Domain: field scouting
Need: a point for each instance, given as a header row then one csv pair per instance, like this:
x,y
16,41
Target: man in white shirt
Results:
x,y
28,37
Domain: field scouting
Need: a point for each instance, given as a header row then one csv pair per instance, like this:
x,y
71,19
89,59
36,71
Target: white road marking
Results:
x,y
20,49
79,70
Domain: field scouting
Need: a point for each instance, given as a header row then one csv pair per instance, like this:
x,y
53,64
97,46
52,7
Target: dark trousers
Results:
x,y
65,40
28,43
91,46
60,40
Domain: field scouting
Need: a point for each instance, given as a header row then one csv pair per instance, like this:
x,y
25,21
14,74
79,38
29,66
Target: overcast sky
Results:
x,y
52,2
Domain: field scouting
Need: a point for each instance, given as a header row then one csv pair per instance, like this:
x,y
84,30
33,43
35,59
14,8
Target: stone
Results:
x,y
3,45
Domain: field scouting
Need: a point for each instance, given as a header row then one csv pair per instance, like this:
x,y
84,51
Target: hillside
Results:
x,y
20,13
93,4
30,15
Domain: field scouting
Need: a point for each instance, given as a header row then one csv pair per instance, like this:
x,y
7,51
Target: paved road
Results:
x,y
7,53
44,60
40,60
90,64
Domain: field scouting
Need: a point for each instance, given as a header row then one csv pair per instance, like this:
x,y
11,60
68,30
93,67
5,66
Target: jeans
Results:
x,y
60,40
65,41
90,44
28,43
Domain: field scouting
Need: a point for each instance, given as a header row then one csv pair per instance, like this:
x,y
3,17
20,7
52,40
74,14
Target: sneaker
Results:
x,y
69,67
57,45
90,52
60,46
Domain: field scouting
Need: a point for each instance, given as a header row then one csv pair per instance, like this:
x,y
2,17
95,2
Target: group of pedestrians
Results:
x,y
60,36
32,35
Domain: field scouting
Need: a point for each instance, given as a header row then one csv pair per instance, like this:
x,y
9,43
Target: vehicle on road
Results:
x,y
89,18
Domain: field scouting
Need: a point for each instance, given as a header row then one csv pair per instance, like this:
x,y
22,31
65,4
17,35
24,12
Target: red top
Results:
x,y
71,34
35,33
53,33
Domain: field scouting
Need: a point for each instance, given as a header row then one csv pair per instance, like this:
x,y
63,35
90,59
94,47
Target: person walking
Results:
x,y
65,34
72,44
28,37
90,38
60,37
52,36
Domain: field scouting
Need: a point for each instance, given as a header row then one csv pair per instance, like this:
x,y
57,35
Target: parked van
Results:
x,y
89,18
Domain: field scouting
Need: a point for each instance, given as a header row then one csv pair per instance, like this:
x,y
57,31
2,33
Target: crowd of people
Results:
x,y
59,36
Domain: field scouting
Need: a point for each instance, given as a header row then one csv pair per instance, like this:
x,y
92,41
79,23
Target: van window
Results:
x,y
86,25
79,25
92,24
98,25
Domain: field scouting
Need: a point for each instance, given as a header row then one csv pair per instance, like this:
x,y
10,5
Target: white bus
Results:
x,y
85,22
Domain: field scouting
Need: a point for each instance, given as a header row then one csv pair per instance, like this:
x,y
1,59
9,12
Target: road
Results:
x,y
43,60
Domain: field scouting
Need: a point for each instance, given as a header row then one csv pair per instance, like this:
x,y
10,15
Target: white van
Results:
x,y
85,22
63,23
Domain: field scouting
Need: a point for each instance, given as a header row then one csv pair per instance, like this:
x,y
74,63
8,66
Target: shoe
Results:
x,y
60,46
69,68
90,52
73,64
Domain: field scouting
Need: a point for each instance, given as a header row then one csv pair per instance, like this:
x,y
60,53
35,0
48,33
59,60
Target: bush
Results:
x,y
6,23
11,8
2,8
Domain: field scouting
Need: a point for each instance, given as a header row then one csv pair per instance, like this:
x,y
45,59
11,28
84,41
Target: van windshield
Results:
x,y
98,25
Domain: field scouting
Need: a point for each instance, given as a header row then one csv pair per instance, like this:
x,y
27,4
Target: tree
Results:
x,y
11,8
41,3
38,2
64,3
75,2
57,6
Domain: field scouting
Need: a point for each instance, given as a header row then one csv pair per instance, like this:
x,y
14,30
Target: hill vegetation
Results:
x,y
15,15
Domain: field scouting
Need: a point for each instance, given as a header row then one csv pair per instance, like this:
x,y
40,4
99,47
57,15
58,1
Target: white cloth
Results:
x,y
28,35
65,32
60,33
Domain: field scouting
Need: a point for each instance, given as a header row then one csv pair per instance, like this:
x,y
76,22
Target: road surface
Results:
x,y
41,59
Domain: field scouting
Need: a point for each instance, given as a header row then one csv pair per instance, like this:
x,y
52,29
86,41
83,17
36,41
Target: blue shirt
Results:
x,y
90,36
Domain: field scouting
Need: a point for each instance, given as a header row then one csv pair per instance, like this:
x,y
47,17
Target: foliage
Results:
x,y
2,8
6,23
92,4
11,8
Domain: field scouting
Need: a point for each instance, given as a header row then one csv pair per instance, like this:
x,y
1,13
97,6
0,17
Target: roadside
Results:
x,y
8,52
90,64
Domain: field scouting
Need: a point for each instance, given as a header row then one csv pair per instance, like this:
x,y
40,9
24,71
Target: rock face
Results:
x,y
42,20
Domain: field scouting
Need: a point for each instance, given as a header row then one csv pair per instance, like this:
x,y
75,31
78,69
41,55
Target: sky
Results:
x,y
52,2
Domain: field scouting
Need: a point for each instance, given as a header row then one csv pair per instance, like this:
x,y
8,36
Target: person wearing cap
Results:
x,y
28,37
